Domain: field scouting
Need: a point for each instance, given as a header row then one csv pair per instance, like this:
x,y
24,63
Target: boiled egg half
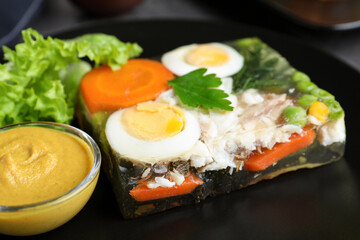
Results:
x,y
152,132
217,58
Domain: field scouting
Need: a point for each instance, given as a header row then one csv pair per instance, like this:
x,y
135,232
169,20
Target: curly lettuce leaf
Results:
x,y
104,49
40,77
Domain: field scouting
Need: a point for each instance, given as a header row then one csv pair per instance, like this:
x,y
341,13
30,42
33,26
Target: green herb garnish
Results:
x,y
196,89
264,68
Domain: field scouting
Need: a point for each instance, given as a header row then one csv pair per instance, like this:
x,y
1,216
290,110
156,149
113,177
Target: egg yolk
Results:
x,y
207,55
153,121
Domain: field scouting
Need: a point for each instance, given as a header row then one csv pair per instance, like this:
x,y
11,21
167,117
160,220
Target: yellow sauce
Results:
x,y
38,164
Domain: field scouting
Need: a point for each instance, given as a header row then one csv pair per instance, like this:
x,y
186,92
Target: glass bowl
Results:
x,y
43,216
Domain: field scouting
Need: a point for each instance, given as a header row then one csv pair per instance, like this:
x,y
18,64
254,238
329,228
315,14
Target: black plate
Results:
x,y
321,203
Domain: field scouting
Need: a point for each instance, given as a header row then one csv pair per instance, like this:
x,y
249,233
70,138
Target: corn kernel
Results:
x,y
319,110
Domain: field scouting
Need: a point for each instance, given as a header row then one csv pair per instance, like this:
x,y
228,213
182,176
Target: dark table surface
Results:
x,y
58,15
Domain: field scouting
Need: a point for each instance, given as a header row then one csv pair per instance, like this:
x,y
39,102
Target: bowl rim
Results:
x,y
90,177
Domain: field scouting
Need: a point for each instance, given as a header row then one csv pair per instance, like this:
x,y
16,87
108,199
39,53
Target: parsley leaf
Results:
x,y
196,89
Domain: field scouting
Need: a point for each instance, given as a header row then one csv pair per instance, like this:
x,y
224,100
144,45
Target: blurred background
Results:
x,y
331,25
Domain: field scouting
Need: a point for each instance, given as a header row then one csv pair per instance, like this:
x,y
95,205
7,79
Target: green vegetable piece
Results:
x,y
196,89
300,77
335,109
306,87
306,100
247,42
295,115
336,115
323,95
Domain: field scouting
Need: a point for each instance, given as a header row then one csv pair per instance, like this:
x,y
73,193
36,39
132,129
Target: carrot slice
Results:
x,y
137,81
143,193
260,161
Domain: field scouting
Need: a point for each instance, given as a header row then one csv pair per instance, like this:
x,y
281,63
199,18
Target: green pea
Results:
x,y
306,100
336,115
322,94
306,87
328,102
295,115
300,77
335,109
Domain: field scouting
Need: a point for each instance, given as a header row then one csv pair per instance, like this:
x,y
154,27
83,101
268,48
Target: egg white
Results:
x,y
139,150
226,84
174,60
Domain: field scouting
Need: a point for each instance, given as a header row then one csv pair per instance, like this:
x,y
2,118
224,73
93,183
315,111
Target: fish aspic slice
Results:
x,y
164,152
